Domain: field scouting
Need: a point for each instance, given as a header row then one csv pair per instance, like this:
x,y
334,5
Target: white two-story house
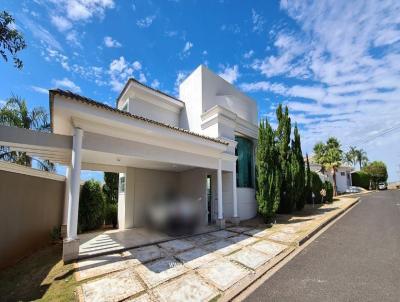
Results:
x,y
199,146
212,108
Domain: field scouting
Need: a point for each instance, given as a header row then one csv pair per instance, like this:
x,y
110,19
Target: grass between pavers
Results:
x,y
39,277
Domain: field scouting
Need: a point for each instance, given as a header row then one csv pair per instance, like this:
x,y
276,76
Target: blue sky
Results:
x,y
336,64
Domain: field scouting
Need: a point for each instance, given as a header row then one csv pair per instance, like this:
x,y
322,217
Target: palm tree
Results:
x,y
351,156
329,156
362,158
15,113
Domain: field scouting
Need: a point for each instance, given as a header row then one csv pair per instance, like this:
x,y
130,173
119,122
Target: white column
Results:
x,y
235,206
67,196
219,187
73,206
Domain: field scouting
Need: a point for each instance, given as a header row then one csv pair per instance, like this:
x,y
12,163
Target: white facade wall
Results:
x,y
343,182
143,186
247,205
212,107
151,106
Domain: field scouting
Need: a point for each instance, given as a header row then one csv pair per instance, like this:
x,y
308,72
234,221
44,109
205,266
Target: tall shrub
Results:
x,y
360,179
329,191
316,187
110,190
308,192
268,172
91,206
297,172
377,172
283,141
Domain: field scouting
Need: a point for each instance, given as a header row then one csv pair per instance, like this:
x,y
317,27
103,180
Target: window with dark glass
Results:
x,y
244,163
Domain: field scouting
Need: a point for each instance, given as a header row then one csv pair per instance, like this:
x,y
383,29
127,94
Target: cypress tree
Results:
x,y
268,172
308,190
283,141
298,171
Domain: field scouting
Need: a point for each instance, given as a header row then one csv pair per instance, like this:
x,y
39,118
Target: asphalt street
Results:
x,y
356,259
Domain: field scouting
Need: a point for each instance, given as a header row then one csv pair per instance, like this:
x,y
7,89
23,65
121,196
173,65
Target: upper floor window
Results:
x,y
125,107
244,163
122,184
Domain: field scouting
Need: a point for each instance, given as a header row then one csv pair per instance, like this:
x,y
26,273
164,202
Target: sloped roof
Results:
x,y
130,80
78,98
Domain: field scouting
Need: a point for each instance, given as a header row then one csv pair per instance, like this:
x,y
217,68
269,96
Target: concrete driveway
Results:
x,y
214,265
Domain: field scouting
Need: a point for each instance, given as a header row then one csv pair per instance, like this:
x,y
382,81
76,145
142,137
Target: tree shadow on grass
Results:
x,y
31,278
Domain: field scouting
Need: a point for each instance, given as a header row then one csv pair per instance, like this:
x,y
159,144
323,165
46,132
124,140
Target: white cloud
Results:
x,y
258,21
188,46
340,83
233,28
120,70
73,38
67,84
146,22
40,89
142,78
155,84
249,54
111,43
83,10
40,33
171,33
180,77
186,50
230,74
61,23
137,65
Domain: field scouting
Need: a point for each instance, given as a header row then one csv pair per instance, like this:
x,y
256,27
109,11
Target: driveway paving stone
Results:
x,y
223,234
143,254
175,246
243,239
142,298
260,233
114,287
222,246
268,247
196,257
100,265
250,258
188,288
239,229
222,273
160,271
284,237
202,239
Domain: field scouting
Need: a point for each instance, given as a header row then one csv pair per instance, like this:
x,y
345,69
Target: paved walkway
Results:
x,y
216,265
356,259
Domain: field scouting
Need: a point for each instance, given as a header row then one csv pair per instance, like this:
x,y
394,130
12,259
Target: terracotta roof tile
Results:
x,y
91,102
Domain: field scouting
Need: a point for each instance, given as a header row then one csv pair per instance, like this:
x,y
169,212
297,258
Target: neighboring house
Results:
x,y
343,176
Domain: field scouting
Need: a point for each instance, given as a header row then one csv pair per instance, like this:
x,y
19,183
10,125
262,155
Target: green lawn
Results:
x,y
39,277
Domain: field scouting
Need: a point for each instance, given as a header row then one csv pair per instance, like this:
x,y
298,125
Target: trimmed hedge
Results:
x,y
111,214
360,179
316,187
329,191
91,206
